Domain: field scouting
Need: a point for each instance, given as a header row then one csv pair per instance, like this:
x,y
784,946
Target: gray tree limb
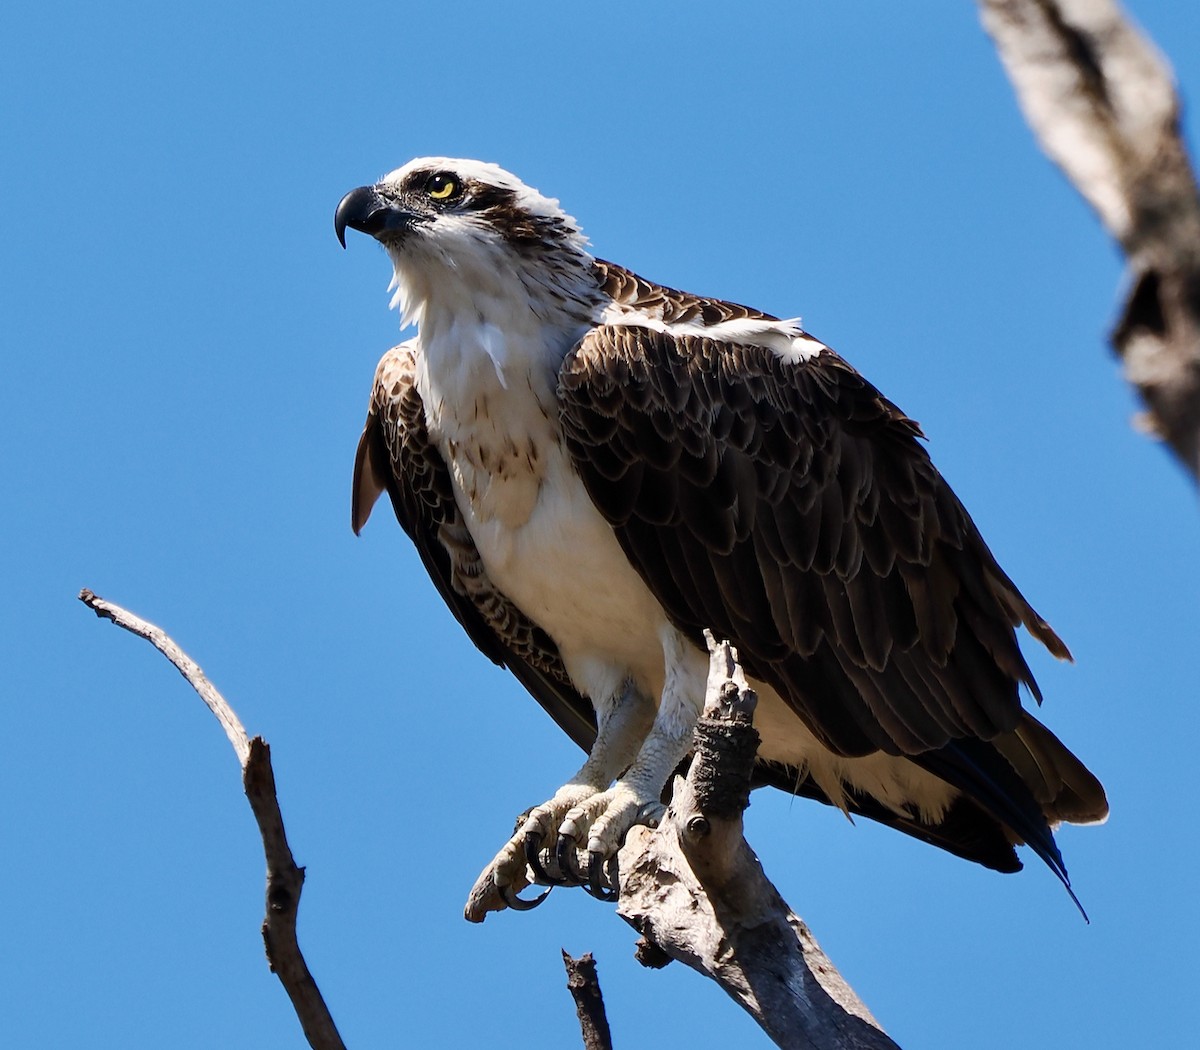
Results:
x,y
697,894
284,878
695,890
1102,102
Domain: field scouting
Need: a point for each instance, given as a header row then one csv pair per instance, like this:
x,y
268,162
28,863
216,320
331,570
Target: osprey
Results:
x,y
595,469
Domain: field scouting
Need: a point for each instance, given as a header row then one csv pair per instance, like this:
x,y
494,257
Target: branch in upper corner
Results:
x,y
694,888
284,878
1102,101
584,987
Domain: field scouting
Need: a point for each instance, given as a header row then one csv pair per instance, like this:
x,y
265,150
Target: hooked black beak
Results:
x,y
363,209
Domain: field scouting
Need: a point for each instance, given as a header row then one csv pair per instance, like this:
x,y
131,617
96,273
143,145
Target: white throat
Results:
x,y
484,305
492,338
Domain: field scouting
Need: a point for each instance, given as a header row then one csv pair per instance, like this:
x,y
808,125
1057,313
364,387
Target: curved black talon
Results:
x,y
509,896
533,851
564,853
596,884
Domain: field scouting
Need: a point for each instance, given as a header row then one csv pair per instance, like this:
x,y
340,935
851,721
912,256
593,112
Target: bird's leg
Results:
x,y
622,722
602,819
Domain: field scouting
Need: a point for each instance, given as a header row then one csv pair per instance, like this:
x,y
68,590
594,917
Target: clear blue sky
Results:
x,y
187,356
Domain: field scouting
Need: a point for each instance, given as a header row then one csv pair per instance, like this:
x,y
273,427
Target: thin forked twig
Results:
x,y
284,878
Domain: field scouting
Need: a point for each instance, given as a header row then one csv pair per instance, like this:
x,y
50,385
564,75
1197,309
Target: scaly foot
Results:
x,y
576,814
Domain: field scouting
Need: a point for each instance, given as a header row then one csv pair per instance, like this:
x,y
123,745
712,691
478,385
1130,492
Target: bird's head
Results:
x,y
461,231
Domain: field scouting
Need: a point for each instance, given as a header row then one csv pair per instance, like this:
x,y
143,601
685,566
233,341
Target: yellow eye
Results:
x,y
442,186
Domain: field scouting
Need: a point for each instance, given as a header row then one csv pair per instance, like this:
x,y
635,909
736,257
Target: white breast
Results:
x,y
564,568
494,417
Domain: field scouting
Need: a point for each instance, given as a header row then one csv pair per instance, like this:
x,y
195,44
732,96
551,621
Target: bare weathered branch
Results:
x,y
184,664
696,893
584,987
695,889
284,879
1102,101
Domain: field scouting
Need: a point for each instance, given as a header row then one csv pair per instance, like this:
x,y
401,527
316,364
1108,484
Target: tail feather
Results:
x,y
980,769
1067,790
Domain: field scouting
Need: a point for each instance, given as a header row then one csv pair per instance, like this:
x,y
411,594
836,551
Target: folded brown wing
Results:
x,y
789,506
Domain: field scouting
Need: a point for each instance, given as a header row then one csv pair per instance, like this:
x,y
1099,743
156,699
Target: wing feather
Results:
x,y
791,507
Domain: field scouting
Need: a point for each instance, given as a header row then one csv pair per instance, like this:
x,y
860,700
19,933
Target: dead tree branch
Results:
x,y
284,879
696,892
694,888
584,986
1102,102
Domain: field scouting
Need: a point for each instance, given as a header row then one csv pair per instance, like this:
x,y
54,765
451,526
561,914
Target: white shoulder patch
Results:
x,y
786,338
